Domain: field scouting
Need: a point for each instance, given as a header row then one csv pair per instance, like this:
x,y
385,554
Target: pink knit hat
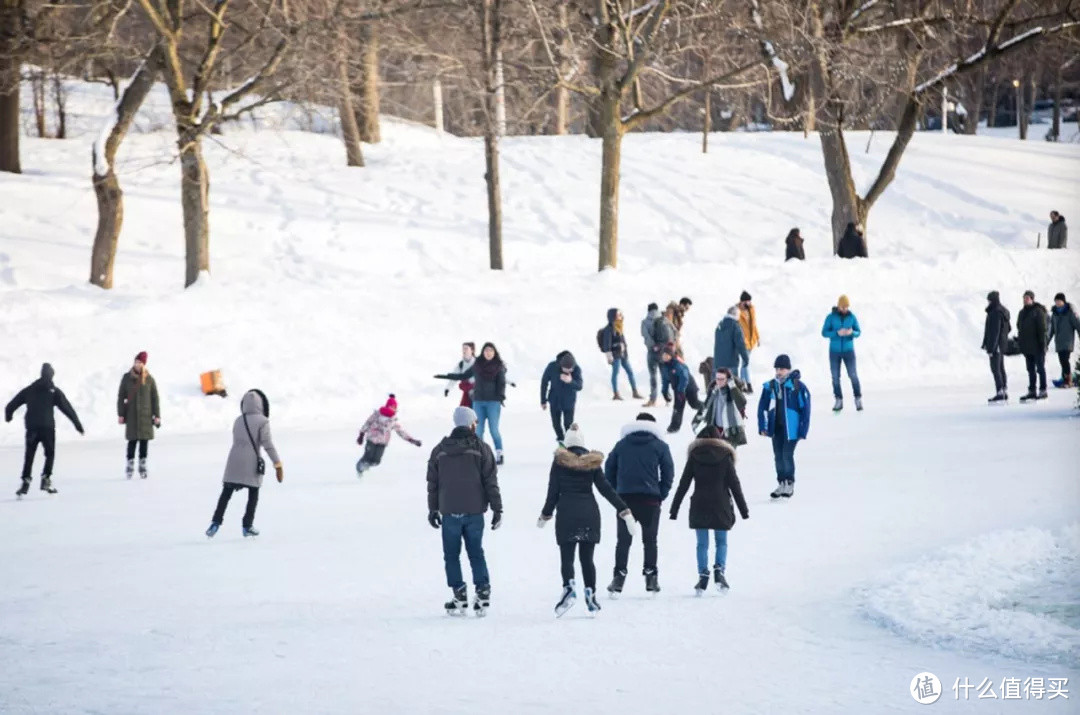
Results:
x,y
390,408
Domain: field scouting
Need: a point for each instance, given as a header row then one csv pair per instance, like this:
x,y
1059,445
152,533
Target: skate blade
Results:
x,y
560,612
699,592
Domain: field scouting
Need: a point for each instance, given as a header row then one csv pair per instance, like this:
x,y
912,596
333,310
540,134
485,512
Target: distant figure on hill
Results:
x,y
1057,235
852,243
40,397
794,246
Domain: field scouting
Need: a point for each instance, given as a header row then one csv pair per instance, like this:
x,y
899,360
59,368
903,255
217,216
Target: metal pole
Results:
x,y
944,110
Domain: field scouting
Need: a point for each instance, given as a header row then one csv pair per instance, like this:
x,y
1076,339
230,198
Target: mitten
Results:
x,y
280,472
674,515
542,521
631,525
360,439
415,441
446,392
434,519
496,520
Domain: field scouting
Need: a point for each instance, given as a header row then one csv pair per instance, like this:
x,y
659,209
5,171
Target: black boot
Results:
x,y
652,581
617,583
721,580
46,485
702,583
24,489
1030,396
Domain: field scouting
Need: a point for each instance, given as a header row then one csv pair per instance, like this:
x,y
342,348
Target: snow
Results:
x,y
787,86
333,286
101,162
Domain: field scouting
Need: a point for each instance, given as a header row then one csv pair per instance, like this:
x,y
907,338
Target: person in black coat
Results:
x,y
489,393
559,387
1033,327
40,397
995,341
852,244
794,246
711,467
574,472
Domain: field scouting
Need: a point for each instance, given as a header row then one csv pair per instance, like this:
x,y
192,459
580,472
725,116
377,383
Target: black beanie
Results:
x,y
1061,297
47,371
1029,294
652,307
993,296
744,297
645,417
782,361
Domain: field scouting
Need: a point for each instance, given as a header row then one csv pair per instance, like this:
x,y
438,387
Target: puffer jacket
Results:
x,y
641,463
378,429
1064,326
710,466
137,402
253,425
1032,328
574,474
461,476
729,344
836,321
793,398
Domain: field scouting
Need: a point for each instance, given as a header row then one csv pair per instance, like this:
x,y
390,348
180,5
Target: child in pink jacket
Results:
x,y
378,429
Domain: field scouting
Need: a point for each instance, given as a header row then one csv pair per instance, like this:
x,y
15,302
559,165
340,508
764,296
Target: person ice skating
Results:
x,y
725,409
245,467
1031,333
40,397
748,323
139,410
995,341
793,246
377,430
613,345
1064,325
784,417
468,357
841,328
663,334
641,470
1057,235
559,386
729,343
462,481
680,314
675,374
852,243
710,466
574,472
489,393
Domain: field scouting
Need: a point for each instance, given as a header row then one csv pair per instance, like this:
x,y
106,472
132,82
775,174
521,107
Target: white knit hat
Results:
x,y
464,417
574,437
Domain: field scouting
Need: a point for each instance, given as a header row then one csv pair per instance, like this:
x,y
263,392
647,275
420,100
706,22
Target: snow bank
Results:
x,y
1012,593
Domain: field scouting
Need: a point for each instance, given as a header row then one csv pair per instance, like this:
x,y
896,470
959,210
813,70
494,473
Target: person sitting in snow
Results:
x,y
377,429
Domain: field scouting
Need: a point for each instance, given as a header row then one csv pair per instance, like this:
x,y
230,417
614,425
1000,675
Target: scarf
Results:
x,y
487,369
726,414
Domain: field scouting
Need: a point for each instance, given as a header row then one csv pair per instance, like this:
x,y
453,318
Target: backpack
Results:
x,y
600,339
658,331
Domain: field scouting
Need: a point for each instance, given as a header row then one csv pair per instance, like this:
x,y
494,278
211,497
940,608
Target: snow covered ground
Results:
x,y
929,532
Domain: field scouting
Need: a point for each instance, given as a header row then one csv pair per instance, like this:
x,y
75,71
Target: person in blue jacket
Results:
x,y
558,388
641,470
784,416
675,373
841,328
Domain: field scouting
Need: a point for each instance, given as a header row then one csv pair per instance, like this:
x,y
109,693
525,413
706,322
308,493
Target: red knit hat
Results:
x,y
141,357
390,408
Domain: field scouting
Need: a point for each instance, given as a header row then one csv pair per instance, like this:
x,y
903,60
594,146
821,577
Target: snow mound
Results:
x,y
1014,593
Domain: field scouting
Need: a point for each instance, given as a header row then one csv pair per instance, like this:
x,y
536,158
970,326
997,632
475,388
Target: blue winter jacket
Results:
x,y
834,322
729,344
561,395
640,462
675,372
792,397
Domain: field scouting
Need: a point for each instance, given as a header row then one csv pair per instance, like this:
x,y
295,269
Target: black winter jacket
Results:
x,y
574,473
561,395
462,477
996,330
1064,323
40,397
711,466
489,377
1032,326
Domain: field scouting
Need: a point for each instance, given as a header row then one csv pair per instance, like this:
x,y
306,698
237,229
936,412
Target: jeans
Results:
x,y
703,549
784,453
1063,358
47,440
997,367
561,419
615,373
1036,365
227,490
691,396
144,447
848,359
646,509
744,371
470,528
488,413
585,555
653,362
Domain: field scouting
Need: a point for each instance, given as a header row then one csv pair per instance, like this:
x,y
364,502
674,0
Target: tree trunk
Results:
x,y
494,192
562,110
977,96
1055,129
37,87
811,114
110,197
492,53
350,130
562,94
11,12
60,97
991,114
367,91
706,127
1021,110
195,201
609,195
846,204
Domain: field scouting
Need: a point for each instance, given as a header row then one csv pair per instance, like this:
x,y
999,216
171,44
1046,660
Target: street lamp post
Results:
x,y
1019,101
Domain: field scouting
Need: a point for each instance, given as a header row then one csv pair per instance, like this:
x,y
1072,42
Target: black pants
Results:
x,y
373,453
561,419
1063,358
585,555
1036,365
646,509
47,439
997,367
227,490
680,405
144,447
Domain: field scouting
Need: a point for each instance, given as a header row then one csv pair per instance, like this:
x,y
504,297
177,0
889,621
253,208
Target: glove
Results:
x,y
78,429
446,392
280,472
542,521
7,418
745,516
360,439
434,519
496,520
631,525
415,441
674,515
543,406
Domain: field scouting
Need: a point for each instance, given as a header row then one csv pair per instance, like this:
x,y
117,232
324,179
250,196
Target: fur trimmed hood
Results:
x,y
711,445
585,462
642,426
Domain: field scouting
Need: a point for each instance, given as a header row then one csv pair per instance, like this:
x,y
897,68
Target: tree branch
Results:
x,y
638,118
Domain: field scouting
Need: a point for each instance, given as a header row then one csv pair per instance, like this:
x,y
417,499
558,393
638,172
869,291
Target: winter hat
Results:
x,y
993,296
47,371
464,417
574,437
141,357
390,408
566,362
1029,294
1061,297
782,361
843,303
645,417
744,297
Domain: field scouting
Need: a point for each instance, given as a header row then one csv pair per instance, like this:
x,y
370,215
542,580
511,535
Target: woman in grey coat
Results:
x,y
245,466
